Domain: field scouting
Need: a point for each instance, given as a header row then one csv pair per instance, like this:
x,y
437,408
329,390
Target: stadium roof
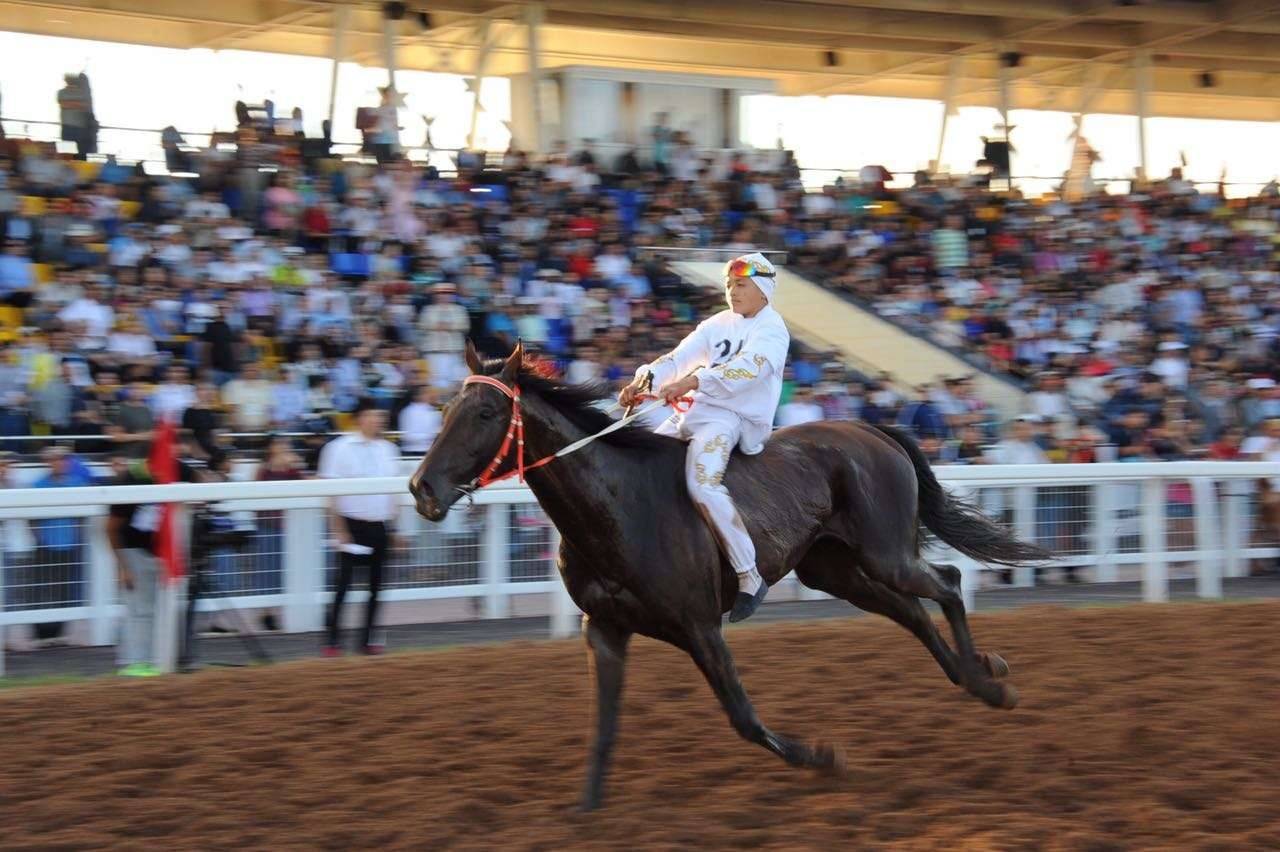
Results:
x,y
1208,59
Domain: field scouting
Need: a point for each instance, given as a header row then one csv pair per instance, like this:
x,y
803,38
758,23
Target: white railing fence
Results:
x,y
1107,522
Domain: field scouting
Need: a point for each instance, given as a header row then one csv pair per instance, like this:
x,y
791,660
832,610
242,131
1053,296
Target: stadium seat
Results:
x,y
348,263
129,209
87,171
11,318
34,205
43,272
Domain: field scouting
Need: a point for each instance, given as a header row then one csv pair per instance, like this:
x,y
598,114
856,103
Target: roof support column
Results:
x,y
341,17
1006,82
948,105
482,60
389,49
1141,92
534,14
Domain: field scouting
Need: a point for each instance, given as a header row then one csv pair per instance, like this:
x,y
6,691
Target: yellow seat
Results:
x,y
129,209
886,207
87,171
10,318
34,205
43,272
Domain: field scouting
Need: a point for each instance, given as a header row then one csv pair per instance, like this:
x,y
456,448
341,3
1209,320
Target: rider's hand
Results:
x,y
627,397
677,389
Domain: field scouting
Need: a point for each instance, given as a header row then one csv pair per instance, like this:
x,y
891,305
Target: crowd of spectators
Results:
x,y
1145,326
270,289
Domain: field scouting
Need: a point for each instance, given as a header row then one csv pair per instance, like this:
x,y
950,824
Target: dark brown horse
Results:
x,y
841,504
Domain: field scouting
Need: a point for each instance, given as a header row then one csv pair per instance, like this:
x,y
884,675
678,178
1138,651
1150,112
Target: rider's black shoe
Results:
x,y
744,605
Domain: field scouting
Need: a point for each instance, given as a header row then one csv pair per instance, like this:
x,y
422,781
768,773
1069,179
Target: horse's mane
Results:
x,y
579,405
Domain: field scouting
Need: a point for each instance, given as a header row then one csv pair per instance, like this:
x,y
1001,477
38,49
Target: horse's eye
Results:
x,y
487,413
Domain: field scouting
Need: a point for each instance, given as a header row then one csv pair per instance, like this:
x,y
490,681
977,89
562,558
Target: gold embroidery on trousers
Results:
x,y
703,478
718,443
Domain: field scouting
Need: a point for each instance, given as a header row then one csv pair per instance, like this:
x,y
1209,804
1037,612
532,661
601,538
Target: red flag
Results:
x,y
163,464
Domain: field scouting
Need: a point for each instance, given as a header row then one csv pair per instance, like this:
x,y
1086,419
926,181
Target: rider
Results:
x,y
732,364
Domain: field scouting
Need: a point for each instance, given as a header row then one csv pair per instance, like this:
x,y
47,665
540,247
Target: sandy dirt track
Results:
x,y
1140,727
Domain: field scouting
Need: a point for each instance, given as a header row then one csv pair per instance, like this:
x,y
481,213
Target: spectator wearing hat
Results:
x,y
363,525
1019,444
444,324
1261,402
1171,365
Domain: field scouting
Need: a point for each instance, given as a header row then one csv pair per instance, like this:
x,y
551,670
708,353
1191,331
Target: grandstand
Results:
x,y
1042,238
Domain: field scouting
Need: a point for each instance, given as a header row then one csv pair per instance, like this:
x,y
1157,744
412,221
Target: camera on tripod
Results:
x,y
216,529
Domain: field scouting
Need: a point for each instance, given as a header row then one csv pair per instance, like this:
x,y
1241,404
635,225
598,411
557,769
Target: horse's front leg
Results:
x,y
607,653
711,653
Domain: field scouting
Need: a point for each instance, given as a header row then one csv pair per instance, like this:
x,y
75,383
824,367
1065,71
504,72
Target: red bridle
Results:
x,y
515,432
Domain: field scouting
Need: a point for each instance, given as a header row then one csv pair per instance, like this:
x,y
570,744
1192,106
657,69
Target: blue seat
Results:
x,y
349,263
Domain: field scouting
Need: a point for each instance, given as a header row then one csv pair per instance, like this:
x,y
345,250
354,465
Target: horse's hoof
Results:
x,y
1009,699
829,760
994,664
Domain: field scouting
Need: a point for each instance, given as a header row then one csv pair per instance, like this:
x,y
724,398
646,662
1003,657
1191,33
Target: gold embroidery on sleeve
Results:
x,y
741,373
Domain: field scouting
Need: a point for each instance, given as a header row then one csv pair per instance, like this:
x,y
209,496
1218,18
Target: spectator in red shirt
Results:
x,y
1227,448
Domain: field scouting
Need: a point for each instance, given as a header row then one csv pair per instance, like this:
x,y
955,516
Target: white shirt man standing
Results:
x,y
363,524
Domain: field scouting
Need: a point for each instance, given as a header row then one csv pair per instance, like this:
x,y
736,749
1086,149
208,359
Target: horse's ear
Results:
x,y
473,358
511,369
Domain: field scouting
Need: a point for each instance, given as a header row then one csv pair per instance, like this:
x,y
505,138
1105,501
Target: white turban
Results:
x,y
766,283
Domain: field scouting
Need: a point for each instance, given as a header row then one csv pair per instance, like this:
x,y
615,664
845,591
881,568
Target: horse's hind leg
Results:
x,y
941,583
829,567
711,653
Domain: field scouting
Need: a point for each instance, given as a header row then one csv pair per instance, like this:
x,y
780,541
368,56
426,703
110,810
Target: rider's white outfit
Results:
x,y
738,361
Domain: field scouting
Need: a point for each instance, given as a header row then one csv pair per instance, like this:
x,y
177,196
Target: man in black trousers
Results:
x,y
363,525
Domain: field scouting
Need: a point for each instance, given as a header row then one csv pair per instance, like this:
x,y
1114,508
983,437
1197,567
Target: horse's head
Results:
x,y
475,425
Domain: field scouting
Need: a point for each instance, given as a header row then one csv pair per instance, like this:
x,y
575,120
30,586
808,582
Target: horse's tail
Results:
x,y
958,523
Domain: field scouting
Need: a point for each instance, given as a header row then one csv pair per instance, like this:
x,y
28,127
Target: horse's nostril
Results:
x,y
418,486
